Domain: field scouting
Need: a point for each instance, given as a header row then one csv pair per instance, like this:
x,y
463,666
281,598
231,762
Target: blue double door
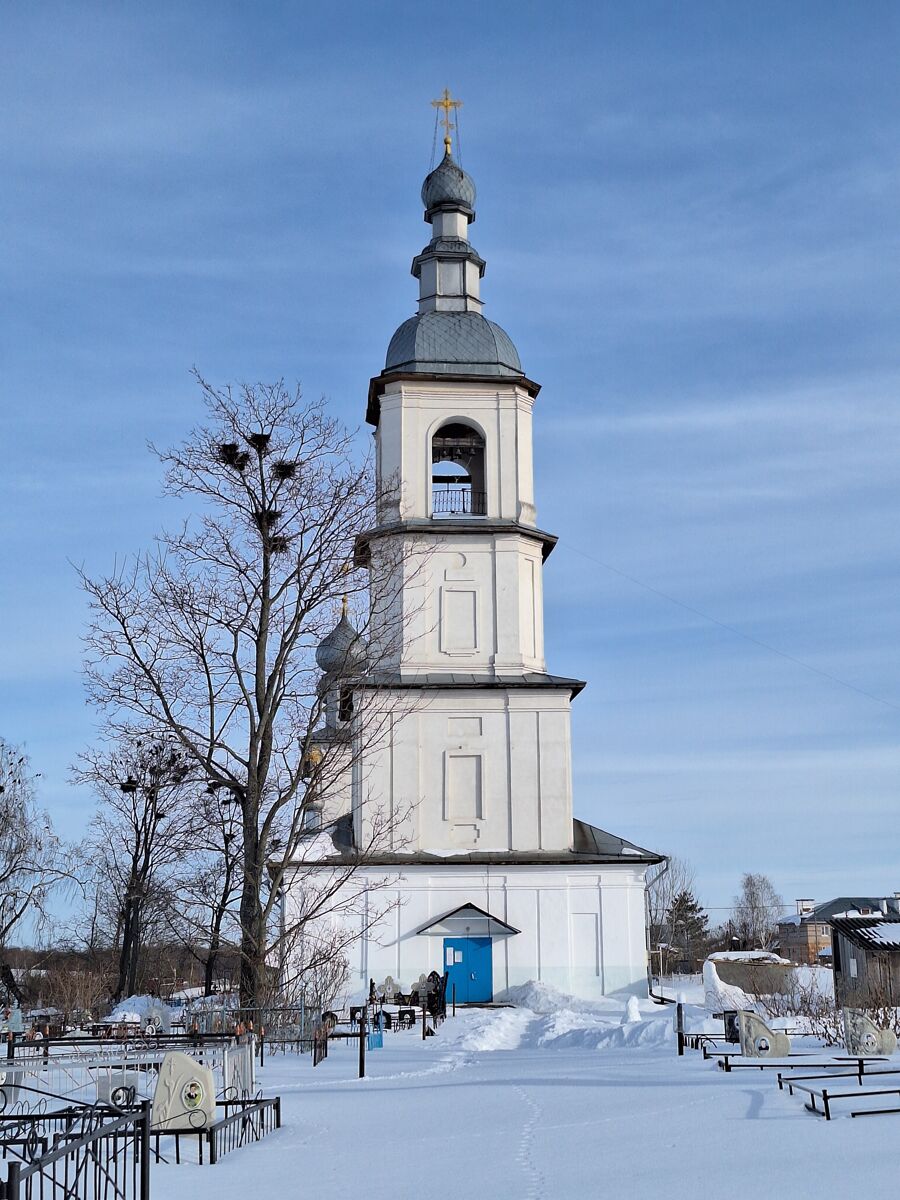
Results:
x,y
470,968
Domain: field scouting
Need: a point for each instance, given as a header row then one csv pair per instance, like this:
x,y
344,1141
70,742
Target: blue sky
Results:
x,y
691,223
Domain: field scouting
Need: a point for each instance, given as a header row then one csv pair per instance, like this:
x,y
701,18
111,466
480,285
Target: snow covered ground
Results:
x,y
568,1103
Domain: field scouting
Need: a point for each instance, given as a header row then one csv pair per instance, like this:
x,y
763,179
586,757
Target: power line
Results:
x,y
743,907
747,637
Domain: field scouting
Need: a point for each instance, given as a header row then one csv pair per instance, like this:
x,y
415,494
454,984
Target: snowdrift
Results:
x,y
546,1018
719,995
147,1011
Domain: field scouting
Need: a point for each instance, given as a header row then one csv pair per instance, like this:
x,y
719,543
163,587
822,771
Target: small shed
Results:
x,y
866,954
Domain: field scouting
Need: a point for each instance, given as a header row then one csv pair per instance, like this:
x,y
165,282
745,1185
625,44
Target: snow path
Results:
x,y
537,1185
490,1108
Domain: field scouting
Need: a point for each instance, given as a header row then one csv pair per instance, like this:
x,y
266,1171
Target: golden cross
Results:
x,y
447,103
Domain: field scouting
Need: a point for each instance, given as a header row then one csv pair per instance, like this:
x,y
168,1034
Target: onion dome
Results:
x,y
448,336
452,343
448,187
343,651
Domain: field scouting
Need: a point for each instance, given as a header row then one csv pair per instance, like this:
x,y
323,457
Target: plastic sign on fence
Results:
x,y
375,1040
862,1035
119,1088
238,1070
758,1040
185,1096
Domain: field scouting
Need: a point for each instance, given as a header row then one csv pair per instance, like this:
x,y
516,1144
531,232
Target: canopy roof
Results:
x,y
467,921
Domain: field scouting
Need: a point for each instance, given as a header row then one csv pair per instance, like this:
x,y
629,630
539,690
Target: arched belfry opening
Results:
x,y
457,472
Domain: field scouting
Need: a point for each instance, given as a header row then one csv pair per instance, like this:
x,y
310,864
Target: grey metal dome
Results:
x,y
448,185
342,651
452,343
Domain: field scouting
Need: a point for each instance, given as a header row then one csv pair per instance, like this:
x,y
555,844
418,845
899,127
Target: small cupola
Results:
x,y
449,335
448,188
343,651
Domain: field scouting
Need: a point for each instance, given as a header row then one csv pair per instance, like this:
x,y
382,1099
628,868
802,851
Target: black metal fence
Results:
x,y
276,1024
45,1049
240,1123
244,1121
99,1154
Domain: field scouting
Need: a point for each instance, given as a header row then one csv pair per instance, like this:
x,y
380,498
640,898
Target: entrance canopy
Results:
x,y
467,921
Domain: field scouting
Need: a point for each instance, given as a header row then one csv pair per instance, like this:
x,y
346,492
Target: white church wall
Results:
x,y
465,602
480,769
409,416
335,792
582,929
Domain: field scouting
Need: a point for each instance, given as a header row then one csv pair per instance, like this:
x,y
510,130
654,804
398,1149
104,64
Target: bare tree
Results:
x,y
136,840
321,981
676,876
208,882
755,913
77,990
32,858
210,639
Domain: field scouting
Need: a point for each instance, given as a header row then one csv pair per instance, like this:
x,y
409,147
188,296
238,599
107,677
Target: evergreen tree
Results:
x,y
688,925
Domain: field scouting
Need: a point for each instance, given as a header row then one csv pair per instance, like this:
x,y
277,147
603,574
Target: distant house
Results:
x,y
805,936
866,959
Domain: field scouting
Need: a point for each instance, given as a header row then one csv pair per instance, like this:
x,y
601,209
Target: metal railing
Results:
x,y
244,1121
47,1048
461,501
103,1155
239,1122
76,1076
101,1152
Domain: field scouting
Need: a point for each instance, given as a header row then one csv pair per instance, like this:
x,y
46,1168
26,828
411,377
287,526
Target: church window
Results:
x,y
457,472
345,704
459,620
312,818
585,945
462,788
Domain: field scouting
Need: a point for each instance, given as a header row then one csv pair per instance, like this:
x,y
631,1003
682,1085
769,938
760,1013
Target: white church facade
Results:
x,y
458,811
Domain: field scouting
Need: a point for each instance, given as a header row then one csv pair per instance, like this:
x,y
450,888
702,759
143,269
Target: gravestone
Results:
x,y
185,1096
862,1035
758,1040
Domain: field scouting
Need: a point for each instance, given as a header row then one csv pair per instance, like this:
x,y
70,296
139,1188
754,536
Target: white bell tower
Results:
x,y
449,737
482,758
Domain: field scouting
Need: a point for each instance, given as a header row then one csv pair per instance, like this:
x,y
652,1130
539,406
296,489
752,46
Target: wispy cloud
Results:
x,y
691,231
